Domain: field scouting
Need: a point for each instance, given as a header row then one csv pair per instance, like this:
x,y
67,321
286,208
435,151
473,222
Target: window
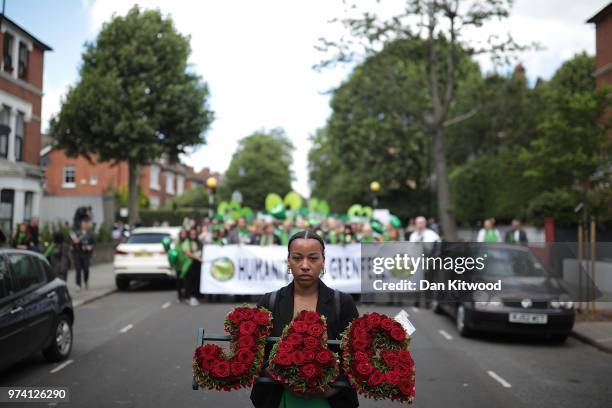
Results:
x,y
5,120
22,70
154,203
4,280
27,211
93,180
180,184
7,50
26,273
154,173
19,131
69,177
146,238
7,200
170,183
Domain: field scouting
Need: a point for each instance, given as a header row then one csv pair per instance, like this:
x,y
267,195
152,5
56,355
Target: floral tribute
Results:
x,y
300,359
376,358
248,328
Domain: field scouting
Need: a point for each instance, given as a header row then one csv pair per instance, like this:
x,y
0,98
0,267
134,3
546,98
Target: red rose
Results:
x,y
300,326
309,370
221,369
360,345
361,356
246,342
406,387
386,324
236,316
376,378
324,356
298,357
363,337
374,319
405,357
261,318
247,328
206,364
392,377
285,347
403,370
398,334
309,355
312,317
245,356
282,359
295,339
316,330
364,367
390,358
311,343
208,352
248,313
238,369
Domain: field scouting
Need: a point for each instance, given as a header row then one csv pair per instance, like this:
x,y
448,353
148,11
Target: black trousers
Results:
x,y
192,279
81,265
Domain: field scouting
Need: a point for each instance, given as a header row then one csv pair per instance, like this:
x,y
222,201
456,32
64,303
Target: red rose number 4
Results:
x,y
248,329
376,358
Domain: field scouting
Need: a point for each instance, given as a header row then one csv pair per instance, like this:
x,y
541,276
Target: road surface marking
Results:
x,y
166,305
59,367
126,328
445,335
415,309
500,380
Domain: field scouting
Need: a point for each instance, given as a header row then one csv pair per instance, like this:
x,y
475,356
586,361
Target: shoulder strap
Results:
x,y
272,300
337,304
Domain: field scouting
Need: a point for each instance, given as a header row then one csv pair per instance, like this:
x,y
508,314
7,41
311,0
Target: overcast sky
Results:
x,y
256,57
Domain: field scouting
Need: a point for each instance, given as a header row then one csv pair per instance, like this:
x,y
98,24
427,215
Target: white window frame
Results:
x,y
66,184
93,180
170,183
180,184
154,172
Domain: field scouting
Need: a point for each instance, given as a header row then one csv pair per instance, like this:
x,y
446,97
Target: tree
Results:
x,y
442,23
260,165
136,99
196,197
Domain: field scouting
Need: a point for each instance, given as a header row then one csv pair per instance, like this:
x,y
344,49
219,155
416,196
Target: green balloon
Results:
x,y
278,212
313,205
246,212
173,257
272,201
166,242
303,212
396,222
366,212
223,207
355,210
323,207
377,226
293,200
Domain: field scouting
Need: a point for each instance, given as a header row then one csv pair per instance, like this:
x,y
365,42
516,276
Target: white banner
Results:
x,y
253,270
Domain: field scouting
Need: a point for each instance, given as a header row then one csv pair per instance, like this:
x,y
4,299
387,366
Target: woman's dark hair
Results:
x,y
306,234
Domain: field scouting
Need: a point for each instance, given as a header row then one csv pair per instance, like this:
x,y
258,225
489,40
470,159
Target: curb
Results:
x,y
79,303
591,342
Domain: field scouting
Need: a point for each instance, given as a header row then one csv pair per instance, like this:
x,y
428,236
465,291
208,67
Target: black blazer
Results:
x,y
269,395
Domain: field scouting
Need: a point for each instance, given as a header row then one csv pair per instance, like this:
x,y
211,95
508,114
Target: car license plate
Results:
x,y
142,254
528,318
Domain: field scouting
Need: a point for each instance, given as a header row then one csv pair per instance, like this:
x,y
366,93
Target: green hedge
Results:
x,y
172,217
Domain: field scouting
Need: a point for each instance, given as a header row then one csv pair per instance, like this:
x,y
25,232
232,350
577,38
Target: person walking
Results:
x,y
58,254
516,235
83,242
184,262
489,234
193,250
34,236
22,239
306,261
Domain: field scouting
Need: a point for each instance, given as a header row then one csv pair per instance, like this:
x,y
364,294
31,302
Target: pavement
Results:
x,y
101,283
597,334
134,348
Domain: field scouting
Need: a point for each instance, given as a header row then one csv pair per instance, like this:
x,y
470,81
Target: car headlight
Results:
x,y
482,300
563,302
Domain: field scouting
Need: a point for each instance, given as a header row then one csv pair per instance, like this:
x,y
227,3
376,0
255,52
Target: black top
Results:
x,y
269,395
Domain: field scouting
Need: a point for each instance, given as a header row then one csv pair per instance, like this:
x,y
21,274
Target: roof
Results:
x,y
603,13
41,44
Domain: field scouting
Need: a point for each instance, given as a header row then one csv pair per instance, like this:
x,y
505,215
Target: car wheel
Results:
x,y
460,322
435,307
122,283
61,344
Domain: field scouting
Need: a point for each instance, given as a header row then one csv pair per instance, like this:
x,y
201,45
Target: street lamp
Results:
x,y
211,184
375,188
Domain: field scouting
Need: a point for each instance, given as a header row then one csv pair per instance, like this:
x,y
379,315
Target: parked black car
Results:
x,y
532,301
36,311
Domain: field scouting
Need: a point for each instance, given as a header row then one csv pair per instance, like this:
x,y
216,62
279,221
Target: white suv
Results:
x,y
143,256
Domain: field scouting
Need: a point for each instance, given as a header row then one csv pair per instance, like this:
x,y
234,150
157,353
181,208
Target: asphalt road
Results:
x,y
134,350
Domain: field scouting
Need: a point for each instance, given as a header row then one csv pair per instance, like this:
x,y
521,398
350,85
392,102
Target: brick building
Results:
x,y
603,45
73,182
21,90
